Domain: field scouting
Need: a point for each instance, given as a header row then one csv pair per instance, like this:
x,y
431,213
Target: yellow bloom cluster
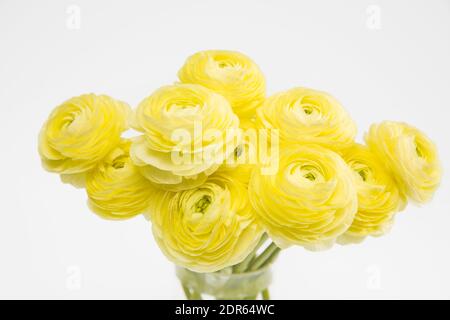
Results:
x,y
210,210
309,202
80,132
379,197
305,116
207,228
115,188
409,155
177,120
231,74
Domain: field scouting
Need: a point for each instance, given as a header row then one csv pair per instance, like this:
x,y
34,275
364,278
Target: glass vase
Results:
x,y
226,285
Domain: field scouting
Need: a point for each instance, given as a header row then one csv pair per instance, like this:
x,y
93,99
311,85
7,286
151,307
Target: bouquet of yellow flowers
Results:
x,y
228,177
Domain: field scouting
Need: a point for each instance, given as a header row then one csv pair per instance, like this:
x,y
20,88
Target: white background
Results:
x,y
381,59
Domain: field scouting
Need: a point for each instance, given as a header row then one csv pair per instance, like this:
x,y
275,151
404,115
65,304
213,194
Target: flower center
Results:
x,y
419,149
310,176
308,172
68,122
308,110
363,170
363,173
225,64
119,162
419,153
202,204
183,109
305,174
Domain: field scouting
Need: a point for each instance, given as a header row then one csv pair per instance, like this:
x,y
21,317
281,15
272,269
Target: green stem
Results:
x,y
265,294
187,292
271,259
191,294
251,263
260,260
195,295
242,267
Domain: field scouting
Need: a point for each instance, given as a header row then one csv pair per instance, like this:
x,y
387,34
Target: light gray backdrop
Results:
x,y
381,59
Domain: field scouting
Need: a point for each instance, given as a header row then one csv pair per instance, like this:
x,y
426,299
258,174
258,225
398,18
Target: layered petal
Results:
x,y
305,115
409,155
208,228
379,197
187,133
80,132
229,73
310,201
115,188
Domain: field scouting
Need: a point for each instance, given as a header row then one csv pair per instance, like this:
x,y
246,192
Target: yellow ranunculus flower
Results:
x,y
115,188
305,115
378,195
310,201
188,131
208,228
232,74
409,155
79,133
